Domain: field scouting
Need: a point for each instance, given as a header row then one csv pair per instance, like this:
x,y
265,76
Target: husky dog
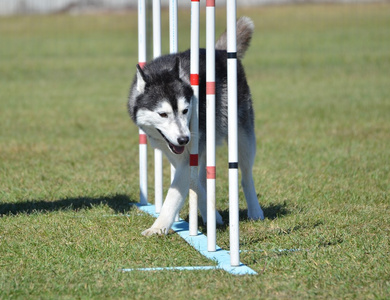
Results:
x,y
160,104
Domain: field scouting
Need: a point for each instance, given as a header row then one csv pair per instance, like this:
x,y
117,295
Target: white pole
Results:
x,y
173,44
233,134
156,28
158,158
194,79
143,151
173,47
210,121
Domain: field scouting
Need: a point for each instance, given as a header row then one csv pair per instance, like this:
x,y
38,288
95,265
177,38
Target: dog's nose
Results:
x,y
183,140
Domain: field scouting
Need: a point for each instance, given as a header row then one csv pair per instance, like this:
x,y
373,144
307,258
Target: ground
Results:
x,y
319,76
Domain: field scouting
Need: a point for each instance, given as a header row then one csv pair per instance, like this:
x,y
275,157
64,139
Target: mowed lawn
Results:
x,y
320,79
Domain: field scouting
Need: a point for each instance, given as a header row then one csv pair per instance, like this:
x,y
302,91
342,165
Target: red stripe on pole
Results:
x,y
194,79
194,0
210,2
142,64
193,160
211,172
210,88
143,139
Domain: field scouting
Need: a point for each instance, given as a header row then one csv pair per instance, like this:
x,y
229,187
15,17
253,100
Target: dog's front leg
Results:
x,y
176,196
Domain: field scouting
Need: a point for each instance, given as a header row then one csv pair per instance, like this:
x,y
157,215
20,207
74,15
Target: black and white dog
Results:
x,y
160,104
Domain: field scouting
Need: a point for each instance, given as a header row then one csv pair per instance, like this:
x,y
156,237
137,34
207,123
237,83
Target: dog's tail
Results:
x,y
245,29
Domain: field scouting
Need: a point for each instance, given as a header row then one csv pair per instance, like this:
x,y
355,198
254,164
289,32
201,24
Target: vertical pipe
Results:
x,y
233,134
194,80
158,158
156,28
210,121
173,47
143,153
173,39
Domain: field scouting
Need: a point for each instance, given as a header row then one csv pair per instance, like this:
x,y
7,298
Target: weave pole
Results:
x,y
143,150
228,261
173,45
210,128
233,132
158,157
173,48
173,38
194,148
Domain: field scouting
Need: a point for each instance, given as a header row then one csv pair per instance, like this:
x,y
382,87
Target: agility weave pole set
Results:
x,y
229,261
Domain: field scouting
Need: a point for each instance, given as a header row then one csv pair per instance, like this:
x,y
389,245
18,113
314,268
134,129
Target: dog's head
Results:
x,y
160,103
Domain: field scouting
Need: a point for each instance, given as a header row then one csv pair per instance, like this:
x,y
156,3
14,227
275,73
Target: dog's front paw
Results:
x,y
256,214
155,231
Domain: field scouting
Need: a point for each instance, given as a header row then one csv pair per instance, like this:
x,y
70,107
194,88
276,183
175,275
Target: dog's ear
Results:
x,y
175,71
141,79
179,71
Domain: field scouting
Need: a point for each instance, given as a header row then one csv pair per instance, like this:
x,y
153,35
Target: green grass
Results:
x,y
320,78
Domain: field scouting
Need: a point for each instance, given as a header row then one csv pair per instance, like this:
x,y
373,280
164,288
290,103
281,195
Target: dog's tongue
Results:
x,y
177,149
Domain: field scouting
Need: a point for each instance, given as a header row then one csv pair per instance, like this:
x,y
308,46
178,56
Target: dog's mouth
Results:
x,y
175,149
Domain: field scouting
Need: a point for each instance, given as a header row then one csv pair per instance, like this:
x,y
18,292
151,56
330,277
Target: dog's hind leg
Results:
x,y
246,157
202,198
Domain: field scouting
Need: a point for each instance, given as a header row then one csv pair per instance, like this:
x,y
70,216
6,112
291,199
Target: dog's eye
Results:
x,y
163,115
185,111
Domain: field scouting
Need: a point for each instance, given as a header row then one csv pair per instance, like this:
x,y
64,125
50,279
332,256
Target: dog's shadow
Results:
x,y
118,203
271,212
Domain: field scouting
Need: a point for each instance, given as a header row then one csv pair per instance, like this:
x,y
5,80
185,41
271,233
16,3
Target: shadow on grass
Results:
x,y
274,211
271,212
119,203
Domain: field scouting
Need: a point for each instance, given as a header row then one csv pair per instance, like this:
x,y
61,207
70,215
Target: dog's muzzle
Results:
x,y
182,141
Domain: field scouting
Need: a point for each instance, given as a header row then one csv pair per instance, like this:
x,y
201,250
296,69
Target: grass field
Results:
x,y
320,79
